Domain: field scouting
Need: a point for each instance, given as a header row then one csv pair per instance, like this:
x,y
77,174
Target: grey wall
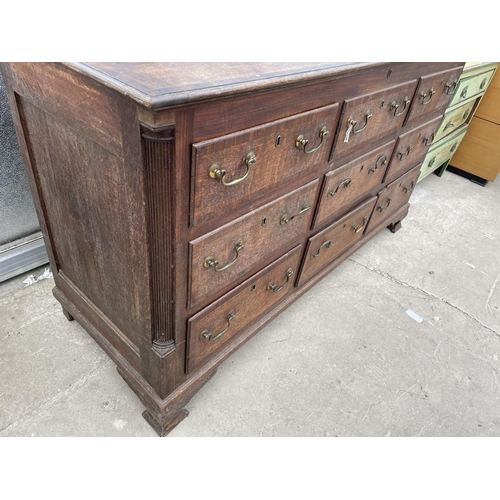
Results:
x,y
17,213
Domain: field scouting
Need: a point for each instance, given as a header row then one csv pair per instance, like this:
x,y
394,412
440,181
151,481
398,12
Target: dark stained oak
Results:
x,y
166,268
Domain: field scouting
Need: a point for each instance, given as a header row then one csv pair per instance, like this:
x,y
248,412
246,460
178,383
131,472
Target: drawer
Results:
x,y
441,152
372,116
434,92
472,86
228,318
345,187
394,197
454,118
221,258
330,243
411,149
233,170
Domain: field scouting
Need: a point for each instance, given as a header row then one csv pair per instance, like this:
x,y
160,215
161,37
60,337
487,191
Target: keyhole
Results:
x,y
253,287
382,104
389,73
278,140
264,220
362,167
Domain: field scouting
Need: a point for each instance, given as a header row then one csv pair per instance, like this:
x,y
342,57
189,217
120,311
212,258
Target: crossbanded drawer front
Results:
x,y
411,149
372,116
330,243
346,186
453,119
472,86
228,317
232,170
434,92
394,197
442,152
224,256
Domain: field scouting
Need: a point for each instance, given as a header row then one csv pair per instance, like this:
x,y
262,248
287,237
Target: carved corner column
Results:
x,y
158,148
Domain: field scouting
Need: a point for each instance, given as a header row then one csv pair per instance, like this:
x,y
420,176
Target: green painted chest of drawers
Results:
x,y
467,93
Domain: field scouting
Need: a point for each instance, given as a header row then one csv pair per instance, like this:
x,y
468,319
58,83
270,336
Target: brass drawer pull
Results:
x,y
211,262
285,219
357,229
463,95
301,142
424,95
395,106
450,87
406,189
433,160
448,125
344,184
351,126
326,244
453,148
215,172
466,114
483,83
275,288
383,209
428,140
207,334
403,156
381,158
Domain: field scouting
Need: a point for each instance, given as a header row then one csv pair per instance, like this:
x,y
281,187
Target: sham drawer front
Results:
x,y
344,187
220,258
472,86
394,197
330,243
227,318
434,92
442,152
454,118
372,117
411,149
233,170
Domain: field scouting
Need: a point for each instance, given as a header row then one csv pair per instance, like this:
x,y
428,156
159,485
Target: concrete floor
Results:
x,y
344,360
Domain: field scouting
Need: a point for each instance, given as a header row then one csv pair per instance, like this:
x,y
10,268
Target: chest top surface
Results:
x,y
163,84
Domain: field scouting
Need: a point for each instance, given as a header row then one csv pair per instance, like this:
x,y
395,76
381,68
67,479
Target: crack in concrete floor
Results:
x,y
60,396
425,292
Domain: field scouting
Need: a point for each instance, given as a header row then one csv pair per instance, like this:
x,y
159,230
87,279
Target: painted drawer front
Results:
x,y
372,116
232,170
434,92
472,86
411,149
454,118
394,197
346,186
224,256
330,243
227,318
441,153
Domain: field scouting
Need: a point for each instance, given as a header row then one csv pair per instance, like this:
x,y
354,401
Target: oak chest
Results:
x,y
186,205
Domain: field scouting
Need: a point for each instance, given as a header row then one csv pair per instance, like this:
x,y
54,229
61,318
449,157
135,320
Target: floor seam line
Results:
x,y
75,387
416,288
